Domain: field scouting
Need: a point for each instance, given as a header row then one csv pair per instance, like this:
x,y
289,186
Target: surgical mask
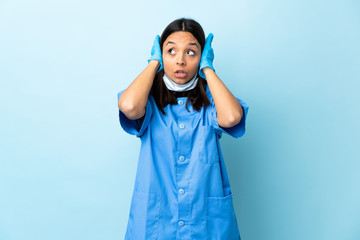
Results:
x,y
173,86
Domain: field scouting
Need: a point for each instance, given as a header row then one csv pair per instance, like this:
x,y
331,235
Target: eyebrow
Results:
x,y
188,44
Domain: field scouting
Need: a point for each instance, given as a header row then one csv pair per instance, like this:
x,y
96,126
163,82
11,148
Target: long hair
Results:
x,y
197,96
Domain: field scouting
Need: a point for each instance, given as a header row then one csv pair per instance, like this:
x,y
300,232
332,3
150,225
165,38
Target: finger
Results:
x,y
157,39
209,38
158,43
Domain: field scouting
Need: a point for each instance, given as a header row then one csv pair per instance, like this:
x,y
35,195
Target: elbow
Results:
x,y
230,120
235,119
130,110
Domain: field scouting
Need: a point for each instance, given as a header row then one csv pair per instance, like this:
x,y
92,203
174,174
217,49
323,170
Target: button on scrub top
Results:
x,y
182,190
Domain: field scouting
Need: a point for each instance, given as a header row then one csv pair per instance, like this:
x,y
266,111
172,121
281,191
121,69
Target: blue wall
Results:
x,y
67,168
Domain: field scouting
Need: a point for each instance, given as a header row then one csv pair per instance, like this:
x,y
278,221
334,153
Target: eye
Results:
x,y
171,50
191,52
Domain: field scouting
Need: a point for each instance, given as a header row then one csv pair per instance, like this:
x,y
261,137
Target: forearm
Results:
x,y
228,109
133,100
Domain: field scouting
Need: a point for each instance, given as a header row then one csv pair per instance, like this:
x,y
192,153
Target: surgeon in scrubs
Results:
x,y
179,108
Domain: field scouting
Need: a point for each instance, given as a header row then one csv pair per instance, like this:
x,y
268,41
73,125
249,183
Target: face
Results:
x,y
181,56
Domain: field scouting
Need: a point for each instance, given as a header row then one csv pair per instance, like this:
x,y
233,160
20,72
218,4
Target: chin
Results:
x,y
181,81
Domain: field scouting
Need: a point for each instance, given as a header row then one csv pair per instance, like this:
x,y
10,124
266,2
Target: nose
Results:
x,y
180,59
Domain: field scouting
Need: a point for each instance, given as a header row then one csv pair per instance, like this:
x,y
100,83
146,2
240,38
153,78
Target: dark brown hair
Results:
x,y
197,96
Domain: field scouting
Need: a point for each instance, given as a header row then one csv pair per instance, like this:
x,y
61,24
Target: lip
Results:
x,y
180,74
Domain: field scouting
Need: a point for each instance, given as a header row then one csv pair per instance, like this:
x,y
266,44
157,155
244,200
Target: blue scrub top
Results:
x,y
182,190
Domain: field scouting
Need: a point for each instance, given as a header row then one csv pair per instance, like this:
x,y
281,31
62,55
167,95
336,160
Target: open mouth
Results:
x,y
180,74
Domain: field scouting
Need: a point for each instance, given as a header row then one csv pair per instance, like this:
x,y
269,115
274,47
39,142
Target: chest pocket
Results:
x,y
207,145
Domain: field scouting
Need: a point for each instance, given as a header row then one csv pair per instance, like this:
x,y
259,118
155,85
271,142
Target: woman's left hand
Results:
x,y
207,56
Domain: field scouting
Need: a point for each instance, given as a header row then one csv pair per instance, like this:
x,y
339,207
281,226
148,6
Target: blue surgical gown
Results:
x,y
182,190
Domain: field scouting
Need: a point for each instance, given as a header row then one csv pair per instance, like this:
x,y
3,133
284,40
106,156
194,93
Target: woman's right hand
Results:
x,y
156,53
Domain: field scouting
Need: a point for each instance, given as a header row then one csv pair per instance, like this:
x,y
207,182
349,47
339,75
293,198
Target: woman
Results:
x,y
179,108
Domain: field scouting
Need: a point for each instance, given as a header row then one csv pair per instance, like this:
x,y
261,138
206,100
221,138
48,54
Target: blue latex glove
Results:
x,y
156,52
207,56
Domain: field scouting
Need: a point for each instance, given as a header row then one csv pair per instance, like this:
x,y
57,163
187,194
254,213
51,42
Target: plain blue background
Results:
x,y
67,169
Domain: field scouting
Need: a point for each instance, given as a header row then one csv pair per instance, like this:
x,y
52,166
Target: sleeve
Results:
x,y
135,127
236,131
